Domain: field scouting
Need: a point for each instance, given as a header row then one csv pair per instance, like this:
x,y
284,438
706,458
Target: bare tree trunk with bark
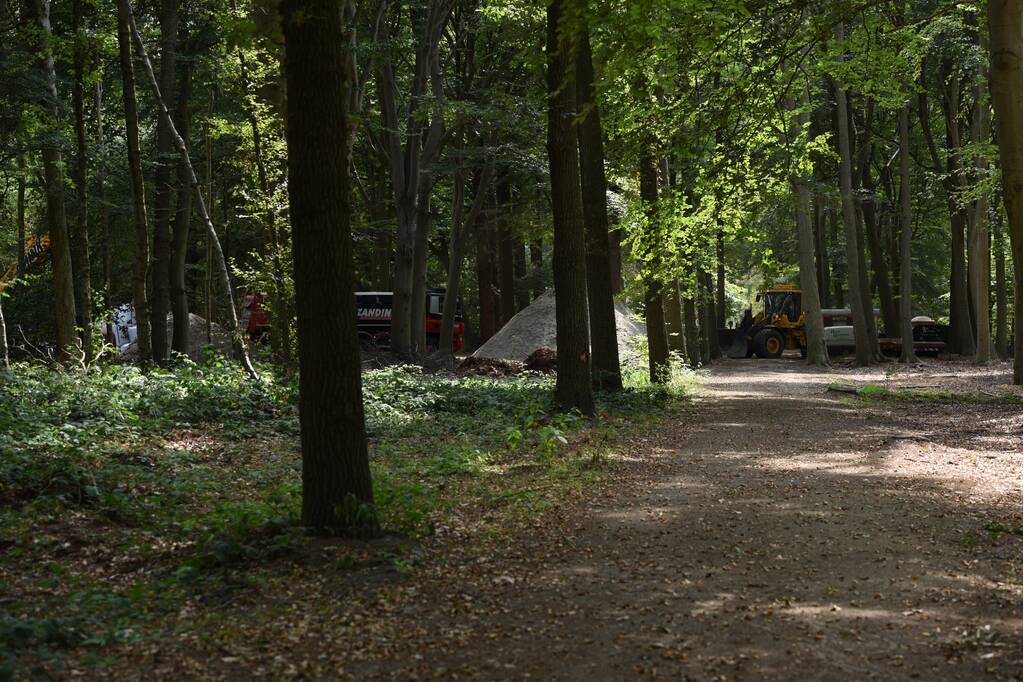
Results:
x,y
654,298
180,337
906,234
1004,22
80,235
573,387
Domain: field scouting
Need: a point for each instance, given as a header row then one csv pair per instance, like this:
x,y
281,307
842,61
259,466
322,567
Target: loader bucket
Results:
x,y
738,349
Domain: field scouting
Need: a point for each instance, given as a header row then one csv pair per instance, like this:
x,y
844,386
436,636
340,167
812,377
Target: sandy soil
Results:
x,y
790,533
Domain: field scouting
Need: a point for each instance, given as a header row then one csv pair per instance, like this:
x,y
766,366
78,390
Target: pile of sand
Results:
x,y
533,327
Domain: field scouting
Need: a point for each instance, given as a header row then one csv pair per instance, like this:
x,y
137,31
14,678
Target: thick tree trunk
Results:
x,y
163,187
131,115
80,234
182,223
573,389
337,494
862,336
1004,22
53,180
218,253
600,297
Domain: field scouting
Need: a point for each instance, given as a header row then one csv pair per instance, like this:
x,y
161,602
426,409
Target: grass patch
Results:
x,y
874,392
124,494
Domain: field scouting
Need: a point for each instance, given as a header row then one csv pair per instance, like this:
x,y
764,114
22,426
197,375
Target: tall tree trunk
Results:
x,y
654,303
817,354
1002,337
691,331
879,267
600,301
20,208
961,335
180,338
131,115
56,219
506,258
720,302
337,493
163,188
707,319
861,333
418,331
461,227
978,248
573,389
1004,22
864,154
821,252
80,235
219,258
101,195
615,259
906,329
486,281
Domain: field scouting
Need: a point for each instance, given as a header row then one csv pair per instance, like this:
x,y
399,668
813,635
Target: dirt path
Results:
x,y
790,534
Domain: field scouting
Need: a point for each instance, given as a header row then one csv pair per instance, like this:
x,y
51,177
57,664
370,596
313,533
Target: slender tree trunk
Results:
x,y
713,350
180,338
600,301
573,389
862,337
337,494
537,264
817,354
879,267
80,235
418,331
674,318
522,295
691,331
461,227
960,330
615,259
720,302
1004,22
20,208
821,252
978,252
131,115
506,258
485,279
101,196
163,188
864,154
220,260
60,250
1002,337
654,302
906,329
5,360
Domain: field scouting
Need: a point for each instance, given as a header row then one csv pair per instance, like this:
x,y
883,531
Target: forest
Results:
x,y
437,339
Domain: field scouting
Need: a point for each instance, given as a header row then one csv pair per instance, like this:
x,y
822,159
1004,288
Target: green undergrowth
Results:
x,y
874,392
124,494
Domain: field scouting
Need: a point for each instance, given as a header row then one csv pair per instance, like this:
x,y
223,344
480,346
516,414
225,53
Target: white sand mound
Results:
x,y
533,327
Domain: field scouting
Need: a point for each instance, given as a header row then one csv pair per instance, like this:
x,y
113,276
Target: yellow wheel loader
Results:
x,y
777,328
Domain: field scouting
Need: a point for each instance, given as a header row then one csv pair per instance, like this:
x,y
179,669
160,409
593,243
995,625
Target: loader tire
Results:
x,y
769,344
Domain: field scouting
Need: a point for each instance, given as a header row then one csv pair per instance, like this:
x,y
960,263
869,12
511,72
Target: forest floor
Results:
x,y
773,525
774,529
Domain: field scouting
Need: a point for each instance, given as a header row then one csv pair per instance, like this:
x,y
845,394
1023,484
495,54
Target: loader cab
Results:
x,y
782,306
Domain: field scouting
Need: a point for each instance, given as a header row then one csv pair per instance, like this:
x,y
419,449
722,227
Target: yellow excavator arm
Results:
x,y
35,250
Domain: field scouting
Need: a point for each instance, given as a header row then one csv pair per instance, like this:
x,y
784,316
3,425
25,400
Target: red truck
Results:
x,y
373,311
